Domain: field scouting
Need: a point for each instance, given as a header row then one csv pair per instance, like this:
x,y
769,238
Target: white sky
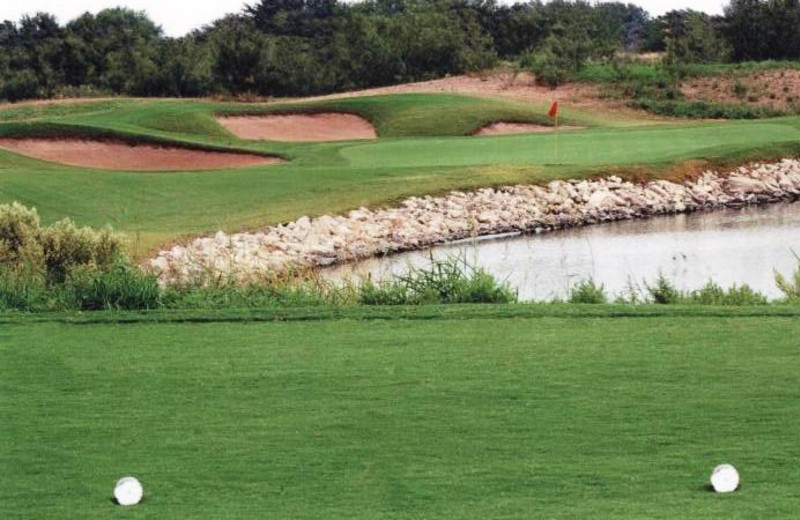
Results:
x,y
179,17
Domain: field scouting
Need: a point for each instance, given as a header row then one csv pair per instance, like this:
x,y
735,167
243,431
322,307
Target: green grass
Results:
x,y
423,115
423,150
460,411
559,412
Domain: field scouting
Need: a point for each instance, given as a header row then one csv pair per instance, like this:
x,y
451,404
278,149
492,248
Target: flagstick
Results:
x,y
558,151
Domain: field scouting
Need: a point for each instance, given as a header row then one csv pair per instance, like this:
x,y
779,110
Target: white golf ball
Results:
x,y
128,491
724,478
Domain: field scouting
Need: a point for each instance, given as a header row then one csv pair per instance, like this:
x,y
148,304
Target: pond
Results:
x,y
730,247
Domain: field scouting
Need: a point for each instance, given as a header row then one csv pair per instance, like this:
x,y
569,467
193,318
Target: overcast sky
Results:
x,y
178,18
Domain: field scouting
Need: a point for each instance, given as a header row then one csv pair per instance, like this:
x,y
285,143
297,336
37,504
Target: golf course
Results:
x,y
348,411
424,147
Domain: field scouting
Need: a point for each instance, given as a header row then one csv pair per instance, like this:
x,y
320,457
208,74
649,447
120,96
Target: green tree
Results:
x,y
562,55
698,41
236,50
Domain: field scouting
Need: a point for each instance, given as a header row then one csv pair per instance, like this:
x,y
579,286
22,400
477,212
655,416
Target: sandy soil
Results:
x,y
113,155
776,89
520,128
520,86
504,84
300,127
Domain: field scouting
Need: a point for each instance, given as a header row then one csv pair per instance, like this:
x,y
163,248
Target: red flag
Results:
x,y
553,110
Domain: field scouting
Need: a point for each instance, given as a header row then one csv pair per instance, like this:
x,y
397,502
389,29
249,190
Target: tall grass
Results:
x,y
790,286
65,268
587,291
452,280
663,292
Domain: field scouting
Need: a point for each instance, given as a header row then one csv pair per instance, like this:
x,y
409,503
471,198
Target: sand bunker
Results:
x,y
117,155
300,127
520,128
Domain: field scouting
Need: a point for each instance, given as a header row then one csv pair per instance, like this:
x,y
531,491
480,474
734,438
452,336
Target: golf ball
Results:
x,y
724,478
128,491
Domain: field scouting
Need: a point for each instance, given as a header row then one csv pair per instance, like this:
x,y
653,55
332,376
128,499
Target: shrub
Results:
x,y
26,246
588,292
371,293
790,287
663,291
19,237
444,281
713,294
560,57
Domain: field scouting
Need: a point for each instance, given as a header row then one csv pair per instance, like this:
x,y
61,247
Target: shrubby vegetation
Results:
x,y
298,47
663,292
444,281
62,267
302,47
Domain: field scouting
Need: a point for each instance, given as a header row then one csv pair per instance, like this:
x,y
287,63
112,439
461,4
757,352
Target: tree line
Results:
x,y
304,47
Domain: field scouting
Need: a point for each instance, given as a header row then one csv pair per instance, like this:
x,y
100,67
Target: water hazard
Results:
x,y
731,246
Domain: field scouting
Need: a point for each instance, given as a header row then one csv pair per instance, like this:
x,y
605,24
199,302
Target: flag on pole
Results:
x,y
553,110
553,113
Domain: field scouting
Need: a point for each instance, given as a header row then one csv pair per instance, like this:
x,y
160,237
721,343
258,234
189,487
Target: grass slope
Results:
x,y
558,413
333,177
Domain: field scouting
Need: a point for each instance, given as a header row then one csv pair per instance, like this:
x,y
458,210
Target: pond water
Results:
x,y
730,247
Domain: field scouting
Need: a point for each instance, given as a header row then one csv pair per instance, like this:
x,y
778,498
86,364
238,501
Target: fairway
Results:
x,y
424,147
517,412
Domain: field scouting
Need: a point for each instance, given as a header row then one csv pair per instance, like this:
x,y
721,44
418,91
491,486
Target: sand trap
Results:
x,y
520,128
117,155
300,127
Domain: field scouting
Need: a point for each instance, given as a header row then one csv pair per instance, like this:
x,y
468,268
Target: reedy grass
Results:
x,y
662,291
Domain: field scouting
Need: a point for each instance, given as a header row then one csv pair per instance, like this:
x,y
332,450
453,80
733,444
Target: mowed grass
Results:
x,y
510,414
423,150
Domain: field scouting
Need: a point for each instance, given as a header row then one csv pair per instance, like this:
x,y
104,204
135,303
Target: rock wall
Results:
x,y
422,222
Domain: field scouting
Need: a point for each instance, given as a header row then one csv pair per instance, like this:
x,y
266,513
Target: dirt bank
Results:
x,y
117,155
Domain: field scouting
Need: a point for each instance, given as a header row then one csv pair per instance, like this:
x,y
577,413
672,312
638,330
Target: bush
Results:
x,y
588,292
713,294
663,292
790,287
19,237
448,281
560,58
51,252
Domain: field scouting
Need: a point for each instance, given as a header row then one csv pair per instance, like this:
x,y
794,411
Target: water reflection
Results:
x,y
728,246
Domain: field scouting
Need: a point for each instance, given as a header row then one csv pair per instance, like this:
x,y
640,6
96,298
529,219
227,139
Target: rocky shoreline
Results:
x,y
420,222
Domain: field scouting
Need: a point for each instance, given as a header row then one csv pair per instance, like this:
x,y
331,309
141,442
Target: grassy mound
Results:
x,y
424,149
420,115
